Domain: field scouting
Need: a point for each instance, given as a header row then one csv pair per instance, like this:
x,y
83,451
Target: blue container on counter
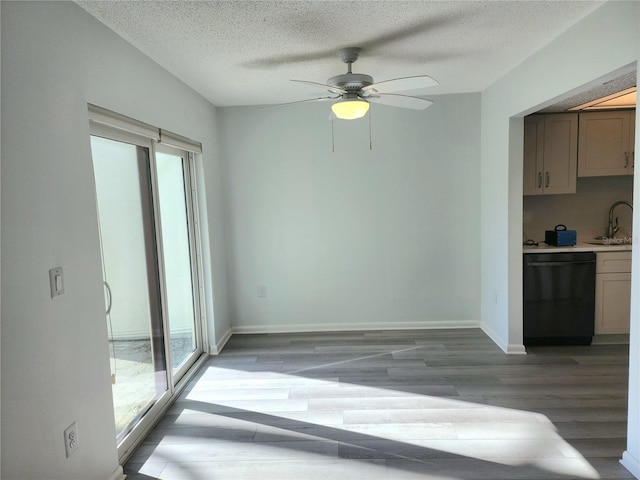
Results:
x,y
560,236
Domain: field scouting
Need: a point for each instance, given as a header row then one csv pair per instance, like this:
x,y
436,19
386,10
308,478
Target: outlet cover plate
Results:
x,y
56,282
71,439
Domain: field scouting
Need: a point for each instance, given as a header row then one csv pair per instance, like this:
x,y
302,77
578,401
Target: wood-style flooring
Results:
x,y
394,405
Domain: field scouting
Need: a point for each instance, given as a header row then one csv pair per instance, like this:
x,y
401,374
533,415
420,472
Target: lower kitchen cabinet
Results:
x,y
613,292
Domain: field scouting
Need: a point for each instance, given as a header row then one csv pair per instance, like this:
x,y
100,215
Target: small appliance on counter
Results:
x,y
560,236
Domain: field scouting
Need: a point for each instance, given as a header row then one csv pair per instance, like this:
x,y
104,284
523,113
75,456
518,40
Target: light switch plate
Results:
x,y
56,282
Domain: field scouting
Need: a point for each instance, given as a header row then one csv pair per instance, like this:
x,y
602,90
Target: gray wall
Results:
x,y
55,369
359,238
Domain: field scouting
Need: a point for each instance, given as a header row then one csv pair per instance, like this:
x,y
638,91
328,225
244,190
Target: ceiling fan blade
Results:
x,y
309,100
400,84
331,88
403,101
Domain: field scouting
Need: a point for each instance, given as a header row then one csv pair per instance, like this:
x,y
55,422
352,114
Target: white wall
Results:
x,y
602,46
55,369
359,238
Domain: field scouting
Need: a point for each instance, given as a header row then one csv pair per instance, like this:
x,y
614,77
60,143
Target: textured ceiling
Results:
x,y
245,52
614,86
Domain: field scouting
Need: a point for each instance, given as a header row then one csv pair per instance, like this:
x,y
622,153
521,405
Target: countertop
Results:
x,y
579,247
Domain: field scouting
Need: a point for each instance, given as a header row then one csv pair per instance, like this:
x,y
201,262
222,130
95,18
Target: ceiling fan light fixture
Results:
x,y
350,109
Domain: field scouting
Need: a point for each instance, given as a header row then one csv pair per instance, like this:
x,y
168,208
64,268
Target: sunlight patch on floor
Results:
x,y
473,430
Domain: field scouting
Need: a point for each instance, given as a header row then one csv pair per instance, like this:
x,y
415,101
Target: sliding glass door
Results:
x,y
178,248
131,277
148,243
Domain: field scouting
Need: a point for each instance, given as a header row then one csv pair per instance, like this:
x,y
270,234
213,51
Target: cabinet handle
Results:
x,y
546,180
539,179
626,159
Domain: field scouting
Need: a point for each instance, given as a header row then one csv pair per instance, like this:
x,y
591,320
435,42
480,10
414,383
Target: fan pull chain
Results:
x,y
333,142
370,143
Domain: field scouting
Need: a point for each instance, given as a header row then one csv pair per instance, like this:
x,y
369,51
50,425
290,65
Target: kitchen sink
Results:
x,y
610,243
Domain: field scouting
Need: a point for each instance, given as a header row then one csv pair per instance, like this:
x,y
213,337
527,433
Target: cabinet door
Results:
x,y
605,144
560,153
613,262
533,155
613,298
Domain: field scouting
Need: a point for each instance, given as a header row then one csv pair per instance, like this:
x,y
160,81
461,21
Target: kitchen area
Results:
x,y
577,218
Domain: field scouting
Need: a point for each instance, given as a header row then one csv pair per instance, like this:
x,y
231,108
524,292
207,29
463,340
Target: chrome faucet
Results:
x,y
612,230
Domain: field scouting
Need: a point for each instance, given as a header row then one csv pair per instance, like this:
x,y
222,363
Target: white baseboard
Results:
x,y
118,474
631,463
515,349
350,327
496,339
217,348
512,349
509,348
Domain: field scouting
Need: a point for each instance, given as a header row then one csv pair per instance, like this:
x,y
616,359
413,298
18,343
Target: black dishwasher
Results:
x,y
559,298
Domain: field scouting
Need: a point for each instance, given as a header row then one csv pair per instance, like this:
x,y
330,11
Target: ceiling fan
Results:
x,y
352,92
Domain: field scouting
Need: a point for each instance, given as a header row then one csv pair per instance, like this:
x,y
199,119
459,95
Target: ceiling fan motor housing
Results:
x,y
357,88
351,81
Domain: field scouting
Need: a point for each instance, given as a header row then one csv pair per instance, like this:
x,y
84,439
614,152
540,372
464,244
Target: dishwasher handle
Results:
x,y
561,263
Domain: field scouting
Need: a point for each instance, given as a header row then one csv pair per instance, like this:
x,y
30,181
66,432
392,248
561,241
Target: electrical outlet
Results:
x,y
262,291
71,439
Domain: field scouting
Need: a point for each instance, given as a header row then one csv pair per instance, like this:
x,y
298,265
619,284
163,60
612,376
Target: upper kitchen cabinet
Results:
x,y
606,143
550,154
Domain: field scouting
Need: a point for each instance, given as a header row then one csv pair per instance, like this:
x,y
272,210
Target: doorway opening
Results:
x,y
578,166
